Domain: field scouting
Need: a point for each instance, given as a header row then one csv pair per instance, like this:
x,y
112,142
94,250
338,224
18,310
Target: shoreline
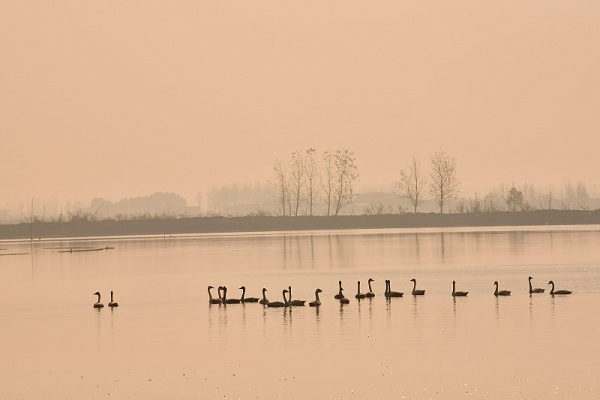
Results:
x,y
220,224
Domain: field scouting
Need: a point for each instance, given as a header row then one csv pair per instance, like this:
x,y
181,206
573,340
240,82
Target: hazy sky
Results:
x,y
126,98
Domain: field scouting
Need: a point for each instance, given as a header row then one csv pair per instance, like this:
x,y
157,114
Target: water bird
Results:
x,y
317,302
211,300
295,302
98,304
552,291
344,301
264,299
112,303
536,290
388,290
455,293
340,295
359,295
279,303
502,292
370,292
247,299
229,301
416,292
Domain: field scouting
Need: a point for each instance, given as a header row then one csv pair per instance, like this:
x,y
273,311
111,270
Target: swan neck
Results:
x,y
285,301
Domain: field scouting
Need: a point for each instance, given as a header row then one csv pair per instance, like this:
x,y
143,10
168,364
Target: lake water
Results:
x,y
164,341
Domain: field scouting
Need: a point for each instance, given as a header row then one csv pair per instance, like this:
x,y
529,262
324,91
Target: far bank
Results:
x,y
220,224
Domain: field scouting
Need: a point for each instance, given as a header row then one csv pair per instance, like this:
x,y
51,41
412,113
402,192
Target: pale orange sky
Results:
x,y
121,98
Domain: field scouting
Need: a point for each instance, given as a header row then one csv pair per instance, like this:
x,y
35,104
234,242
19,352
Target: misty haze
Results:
x,y
305,200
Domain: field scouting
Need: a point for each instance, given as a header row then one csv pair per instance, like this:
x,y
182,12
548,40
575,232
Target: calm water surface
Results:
x,y
164,341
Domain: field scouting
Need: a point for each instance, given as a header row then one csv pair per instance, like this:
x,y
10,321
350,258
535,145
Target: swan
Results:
x,y
552,292
279,303
317,302
229,301
536,290
264,299
359,295
388,291
370,292
247,299
295,302
502,292
416,292
112,303
340,295
98,304
210,298
455,293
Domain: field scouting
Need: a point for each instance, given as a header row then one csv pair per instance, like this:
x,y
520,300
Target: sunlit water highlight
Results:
x,y
165,341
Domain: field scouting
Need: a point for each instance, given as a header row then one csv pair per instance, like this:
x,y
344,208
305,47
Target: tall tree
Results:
x,y
515,200
327,179
413,182
443,183
311,166
346,175
280,185
297,180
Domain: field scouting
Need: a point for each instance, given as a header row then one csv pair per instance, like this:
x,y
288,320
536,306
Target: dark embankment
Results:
x,y
79,228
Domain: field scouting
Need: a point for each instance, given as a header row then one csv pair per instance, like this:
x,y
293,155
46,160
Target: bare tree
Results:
x,y
346,176
280,185
311,166
413,182
443,183
515,200
297,180
549,197
327,178
582,193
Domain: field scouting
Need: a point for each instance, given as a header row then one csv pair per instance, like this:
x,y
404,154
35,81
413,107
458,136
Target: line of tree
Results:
x,y
442,182
528,197
306,178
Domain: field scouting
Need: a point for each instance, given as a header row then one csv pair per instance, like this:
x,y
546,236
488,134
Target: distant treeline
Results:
x,y
217,224
258,200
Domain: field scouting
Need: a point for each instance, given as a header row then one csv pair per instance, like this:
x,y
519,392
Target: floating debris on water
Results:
x,y
85,249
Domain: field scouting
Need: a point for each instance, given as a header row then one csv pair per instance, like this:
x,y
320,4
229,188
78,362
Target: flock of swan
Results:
x,y
389,293
287,302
